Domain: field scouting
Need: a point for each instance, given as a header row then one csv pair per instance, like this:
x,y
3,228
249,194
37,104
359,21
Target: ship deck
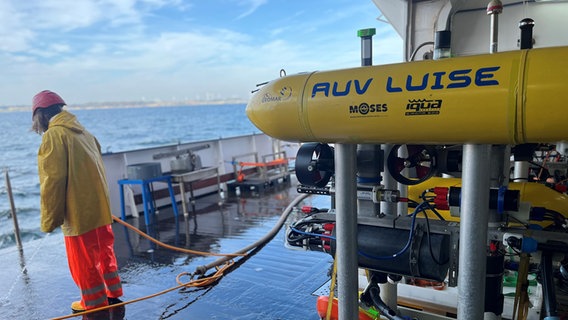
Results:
x,y
273,282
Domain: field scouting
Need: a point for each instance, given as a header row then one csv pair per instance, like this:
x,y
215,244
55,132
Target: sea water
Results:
x,y
117,129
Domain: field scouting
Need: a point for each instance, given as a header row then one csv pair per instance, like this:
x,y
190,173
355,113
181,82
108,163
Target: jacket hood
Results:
x,y
67,120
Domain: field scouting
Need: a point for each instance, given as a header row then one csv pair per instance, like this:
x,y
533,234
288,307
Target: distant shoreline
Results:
x,y
132,104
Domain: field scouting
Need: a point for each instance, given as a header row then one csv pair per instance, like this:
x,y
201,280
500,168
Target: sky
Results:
x,y
164,50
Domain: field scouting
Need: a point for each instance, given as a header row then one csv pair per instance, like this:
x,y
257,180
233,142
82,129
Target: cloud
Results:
x,y
250,5
123,50
13,29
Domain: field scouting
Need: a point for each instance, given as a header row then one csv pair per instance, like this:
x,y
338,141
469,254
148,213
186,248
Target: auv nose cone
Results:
x,y
276,109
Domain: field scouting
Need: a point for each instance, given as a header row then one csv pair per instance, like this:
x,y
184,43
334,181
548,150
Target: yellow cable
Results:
x,y
331,291
521,304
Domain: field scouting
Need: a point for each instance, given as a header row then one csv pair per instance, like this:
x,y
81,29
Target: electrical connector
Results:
x,y
524,244
507,236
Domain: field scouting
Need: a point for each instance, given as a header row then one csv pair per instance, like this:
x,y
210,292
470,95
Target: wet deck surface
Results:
x,y
273,283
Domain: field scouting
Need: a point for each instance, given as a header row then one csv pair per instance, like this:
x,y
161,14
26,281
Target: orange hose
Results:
x,y
264,164
131,227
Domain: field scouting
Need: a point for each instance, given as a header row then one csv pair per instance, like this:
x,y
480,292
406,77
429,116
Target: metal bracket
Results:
x,y
454,259
414,258
179,153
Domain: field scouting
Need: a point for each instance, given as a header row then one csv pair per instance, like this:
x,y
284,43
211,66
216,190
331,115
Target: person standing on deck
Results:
x,y
74,195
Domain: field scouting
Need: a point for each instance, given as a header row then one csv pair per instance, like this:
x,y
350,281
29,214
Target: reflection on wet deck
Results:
x,y
272,283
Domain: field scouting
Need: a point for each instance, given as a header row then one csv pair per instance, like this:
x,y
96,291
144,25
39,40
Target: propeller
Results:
x,y
417,167
314,164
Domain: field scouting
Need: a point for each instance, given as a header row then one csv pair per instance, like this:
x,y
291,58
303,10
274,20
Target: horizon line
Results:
x,y
135,104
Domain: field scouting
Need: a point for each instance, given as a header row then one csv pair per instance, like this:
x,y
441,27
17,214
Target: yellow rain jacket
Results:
x,y
73,187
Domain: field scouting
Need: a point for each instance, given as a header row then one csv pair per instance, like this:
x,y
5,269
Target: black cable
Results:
x,y
555,213
430,242
519,221
302,225
386,311
427,200
543,168
555,216
433,209
413,202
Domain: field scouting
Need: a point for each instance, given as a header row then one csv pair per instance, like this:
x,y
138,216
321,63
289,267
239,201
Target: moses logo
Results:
x,y
366,108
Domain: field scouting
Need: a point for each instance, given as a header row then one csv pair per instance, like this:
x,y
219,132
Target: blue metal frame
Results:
x,y
147,196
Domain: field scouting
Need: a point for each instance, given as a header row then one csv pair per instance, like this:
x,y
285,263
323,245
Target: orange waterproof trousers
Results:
x,y
93,266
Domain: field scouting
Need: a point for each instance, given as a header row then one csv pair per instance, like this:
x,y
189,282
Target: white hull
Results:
x,y
220,153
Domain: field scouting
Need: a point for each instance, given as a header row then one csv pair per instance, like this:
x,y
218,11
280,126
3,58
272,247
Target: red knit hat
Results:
x,y
45,99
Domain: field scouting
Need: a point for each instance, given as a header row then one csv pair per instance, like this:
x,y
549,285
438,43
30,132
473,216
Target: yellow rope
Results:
x,y
191,284
205,281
